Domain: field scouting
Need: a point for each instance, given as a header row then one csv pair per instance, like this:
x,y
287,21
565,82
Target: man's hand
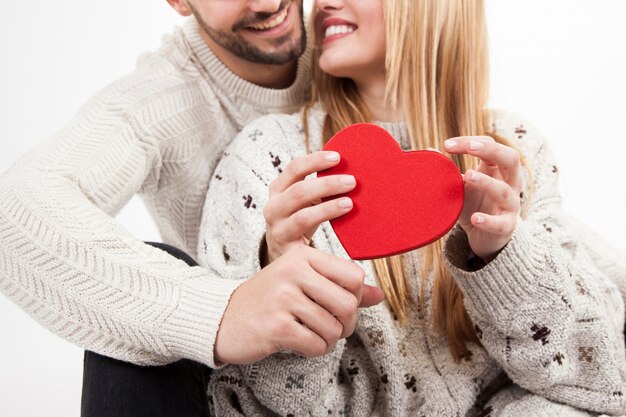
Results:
x,y
303,302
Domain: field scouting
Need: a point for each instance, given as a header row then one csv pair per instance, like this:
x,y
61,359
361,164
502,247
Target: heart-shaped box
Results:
x,y
402,200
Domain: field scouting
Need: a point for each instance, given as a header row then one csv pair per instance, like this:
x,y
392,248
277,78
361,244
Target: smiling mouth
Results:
x,y
271,23
338,30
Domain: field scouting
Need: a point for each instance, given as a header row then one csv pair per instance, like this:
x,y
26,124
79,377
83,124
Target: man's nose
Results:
x,y
264,6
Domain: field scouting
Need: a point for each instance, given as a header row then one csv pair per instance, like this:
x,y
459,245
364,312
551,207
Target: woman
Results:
x,y
507,315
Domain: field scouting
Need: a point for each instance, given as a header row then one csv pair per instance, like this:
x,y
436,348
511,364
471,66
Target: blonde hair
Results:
x,y
438,75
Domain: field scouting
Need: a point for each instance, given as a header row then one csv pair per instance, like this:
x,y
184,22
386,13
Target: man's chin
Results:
x,y
276,52
258,48
278,58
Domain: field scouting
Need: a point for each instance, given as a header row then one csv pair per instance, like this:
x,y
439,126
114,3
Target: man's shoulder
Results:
x,y
164,78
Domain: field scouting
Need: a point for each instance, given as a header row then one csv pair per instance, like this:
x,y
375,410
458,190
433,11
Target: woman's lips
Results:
x,y
335,28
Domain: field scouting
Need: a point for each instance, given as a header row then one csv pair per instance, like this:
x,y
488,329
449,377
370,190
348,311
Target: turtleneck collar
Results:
x,y
225,79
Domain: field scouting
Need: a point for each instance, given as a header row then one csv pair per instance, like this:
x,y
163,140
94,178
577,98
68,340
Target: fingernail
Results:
x,y
345,203
348,180
475,146
450,144
332,156
474,176
479,219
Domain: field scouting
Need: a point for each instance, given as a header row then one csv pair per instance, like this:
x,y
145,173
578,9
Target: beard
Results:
x,y
289,47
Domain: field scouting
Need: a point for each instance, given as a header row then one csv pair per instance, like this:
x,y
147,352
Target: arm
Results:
x,y
550,317
67,262
605,257
515,401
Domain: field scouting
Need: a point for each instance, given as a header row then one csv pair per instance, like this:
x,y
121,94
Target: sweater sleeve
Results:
x,y
513,401
232,229
71,266
604,256
543,308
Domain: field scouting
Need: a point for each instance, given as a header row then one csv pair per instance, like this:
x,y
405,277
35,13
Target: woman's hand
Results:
x,y
295,209
492,193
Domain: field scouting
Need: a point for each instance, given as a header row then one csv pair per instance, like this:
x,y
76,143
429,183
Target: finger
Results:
x,y
489,151
342,272
302,167
299,339
304,193
319,320
334,299
371,296
457,144
498,225
308,219
496,190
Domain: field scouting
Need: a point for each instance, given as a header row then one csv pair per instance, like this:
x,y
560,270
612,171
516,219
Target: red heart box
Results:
x,y
402,200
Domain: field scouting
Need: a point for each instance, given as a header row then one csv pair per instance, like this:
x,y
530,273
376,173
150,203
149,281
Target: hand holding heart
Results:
x,y
295,209
492,193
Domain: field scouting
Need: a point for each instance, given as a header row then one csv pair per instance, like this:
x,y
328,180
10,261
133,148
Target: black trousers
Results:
x,y
113,388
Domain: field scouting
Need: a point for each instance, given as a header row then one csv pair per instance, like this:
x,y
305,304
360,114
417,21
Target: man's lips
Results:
x,y
271,22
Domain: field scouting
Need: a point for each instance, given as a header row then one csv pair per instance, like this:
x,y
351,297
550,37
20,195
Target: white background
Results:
x,y
559,63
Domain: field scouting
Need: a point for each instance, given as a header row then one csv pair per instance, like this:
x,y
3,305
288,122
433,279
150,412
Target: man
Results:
x,y
160,132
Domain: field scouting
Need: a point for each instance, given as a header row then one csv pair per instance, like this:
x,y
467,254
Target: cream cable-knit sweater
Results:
x,y
159,132
545,310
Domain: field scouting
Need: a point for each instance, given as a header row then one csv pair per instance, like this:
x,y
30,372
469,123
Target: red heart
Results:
x,y
402,201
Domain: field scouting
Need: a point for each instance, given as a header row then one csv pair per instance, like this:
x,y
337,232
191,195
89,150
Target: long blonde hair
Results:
x,y
438,75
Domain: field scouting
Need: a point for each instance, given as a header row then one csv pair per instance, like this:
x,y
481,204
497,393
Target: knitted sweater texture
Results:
x,y
159,132
547,312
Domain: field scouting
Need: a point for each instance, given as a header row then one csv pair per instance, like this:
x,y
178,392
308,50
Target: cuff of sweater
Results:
x,y
191,330
259,262
511,279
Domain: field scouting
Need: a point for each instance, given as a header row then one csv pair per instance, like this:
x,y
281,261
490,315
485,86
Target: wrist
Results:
x,y
475,263
485,257
267,256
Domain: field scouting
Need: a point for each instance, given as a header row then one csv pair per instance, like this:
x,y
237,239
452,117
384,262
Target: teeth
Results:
x,y
272,23
337,30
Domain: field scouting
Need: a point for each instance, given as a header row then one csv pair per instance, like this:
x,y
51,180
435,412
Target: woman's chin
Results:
x,y
336,70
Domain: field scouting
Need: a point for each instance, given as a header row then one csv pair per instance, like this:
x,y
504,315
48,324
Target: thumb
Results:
x,y
371,296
